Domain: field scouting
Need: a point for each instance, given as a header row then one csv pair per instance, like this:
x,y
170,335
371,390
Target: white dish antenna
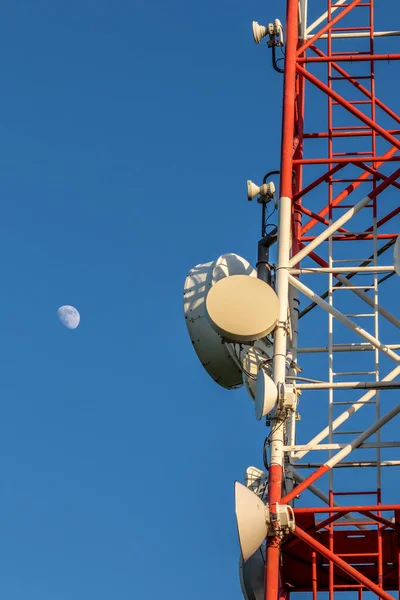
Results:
x,y
396,256
217,358
256,480
266,395
259,31
242,309
251,519
256,356
252,575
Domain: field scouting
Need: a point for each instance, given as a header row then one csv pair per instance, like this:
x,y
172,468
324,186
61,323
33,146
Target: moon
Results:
x,y
69,316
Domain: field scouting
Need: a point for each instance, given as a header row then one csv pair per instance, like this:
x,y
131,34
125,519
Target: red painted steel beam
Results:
x,y
289,545
377,174
349,189
344,134
346,161
385,219
348,58
329,25
343,509
359,86
385,184
289,97
297,215
273,551
321,549
381,520
323,178
301,487
312,214
349,107
380,188
350,238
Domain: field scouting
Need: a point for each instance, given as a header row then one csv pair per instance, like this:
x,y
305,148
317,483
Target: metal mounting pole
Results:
x,y
280,338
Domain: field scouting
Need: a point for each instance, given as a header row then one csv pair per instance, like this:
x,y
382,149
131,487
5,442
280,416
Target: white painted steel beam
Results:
x,y
324,16
345,415
337,446
341,317
351,464
350,385
359,440
311,270
364,347
358,34
322,496
328,231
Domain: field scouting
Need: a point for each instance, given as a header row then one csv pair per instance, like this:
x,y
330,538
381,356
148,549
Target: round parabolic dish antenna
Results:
x,y
231,264
242,308
266,395
252,359
217,358
252,574
396,256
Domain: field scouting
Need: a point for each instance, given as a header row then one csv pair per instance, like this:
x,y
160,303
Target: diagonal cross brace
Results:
x,y
345,320
348,190
349,107
347,282
344,218
373,587
330,24
339,456
357,84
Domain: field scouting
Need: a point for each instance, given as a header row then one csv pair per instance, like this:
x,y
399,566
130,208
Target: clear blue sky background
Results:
x,y
127,132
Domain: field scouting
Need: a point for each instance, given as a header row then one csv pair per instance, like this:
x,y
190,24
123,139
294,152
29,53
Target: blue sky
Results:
x,y
127,132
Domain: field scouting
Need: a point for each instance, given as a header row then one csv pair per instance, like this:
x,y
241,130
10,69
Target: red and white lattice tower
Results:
x,y
334,344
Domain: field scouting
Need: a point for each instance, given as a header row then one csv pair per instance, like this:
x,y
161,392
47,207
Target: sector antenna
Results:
x,y
320,511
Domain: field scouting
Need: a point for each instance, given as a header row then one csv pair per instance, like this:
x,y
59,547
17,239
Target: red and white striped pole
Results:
x,y
272,591
341,454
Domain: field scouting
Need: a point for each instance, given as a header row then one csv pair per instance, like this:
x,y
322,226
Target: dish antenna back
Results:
x,y
218,358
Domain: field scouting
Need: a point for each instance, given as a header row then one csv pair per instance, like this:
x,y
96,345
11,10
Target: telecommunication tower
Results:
x,y
312,329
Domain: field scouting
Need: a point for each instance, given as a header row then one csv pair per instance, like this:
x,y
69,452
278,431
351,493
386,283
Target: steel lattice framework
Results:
x,y
333,233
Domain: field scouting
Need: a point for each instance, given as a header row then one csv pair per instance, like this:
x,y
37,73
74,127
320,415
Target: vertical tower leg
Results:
x,y
272,591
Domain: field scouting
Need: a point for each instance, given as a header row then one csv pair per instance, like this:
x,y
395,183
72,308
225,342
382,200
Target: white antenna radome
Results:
x,y
242,309
216,357
255,356
396,256
251,519
259,32
266,190
266,395
252,575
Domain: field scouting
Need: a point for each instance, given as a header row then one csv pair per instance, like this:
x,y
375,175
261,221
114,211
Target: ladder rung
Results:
x,y
352,30
348,403
335,154
343,234
345,260
353,287
349,181
352,205
360,554
346,78
360,315
354,102
346,586
346,432
352,127
354,373
360,493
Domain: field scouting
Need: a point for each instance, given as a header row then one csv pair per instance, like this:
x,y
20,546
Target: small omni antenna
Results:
x,y
264,194
263,206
